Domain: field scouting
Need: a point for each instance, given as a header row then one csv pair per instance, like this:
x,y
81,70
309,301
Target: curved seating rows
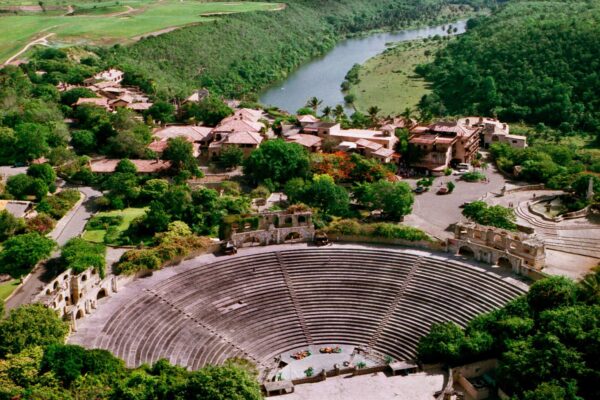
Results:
x,y
244,306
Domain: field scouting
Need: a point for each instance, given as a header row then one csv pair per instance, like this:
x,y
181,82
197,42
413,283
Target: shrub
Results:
x,y
425,181
80,255
173,244
41,223
104,221
59,204
383,230
474,176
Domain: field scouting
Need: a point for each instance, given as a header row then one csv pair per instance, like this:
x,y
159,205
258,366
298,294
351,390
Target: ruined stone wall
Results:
x,y
497,246
74,296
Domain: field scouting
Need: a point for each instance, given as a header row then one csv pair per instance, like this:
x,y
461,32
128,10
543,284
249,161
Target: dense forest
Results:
x,y
237,55
35,364
546,341
532,61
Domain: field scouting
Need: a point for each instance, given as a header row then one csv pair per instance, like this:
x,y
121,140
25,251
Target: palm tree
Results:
x,y
339,112
314,103
373,111
407,115
327,111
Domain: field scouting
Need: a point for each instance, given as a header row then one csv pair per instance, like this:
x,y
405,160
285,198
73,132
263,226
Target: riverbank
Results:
x,y
323,76
239,55
388,80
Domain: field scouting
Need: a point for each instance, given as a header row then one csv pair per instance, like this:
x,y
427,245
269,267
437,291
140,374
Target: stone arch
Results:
x,y
292,237
80,314
251,241
466,251
302,219
504,262
83,278
101,294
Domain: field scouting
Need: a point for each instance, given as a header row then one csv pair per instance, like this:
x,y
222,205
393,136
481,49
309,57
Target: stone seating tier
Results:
x,y
263,305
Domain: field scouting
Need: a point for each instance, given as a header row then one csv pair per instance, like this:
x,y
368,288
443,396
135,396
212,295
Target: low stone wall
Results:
x,y
213,248
525,188
422,244
584,212
532,273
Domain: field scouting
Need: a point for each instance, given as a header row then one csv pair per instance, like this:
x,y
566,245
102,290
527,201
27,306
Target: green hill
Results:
x,y
535,61
240,54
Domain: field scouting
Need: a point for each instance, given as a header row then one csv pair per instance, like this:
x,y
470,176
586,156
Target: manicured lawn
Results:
x,y
128,214
96,28
6,288
389,81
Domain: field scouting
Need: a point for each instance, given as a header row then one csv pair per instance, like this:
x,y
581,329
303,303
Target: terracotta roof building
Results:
x,y
96,101
444,143
311,142
106,166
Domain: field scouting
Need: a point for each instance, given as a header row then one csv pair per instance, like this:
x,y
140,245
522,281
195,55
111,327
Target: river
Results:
x,y
323,76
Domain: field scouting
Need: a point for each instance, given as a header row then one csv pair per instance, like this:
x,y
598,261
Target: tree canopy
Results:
x,y
31,325
547,341
22,252
275,162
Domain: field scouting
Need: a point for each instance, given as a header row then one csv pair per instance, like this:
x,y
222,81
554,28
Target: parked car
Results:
x,y
463,167
460,172
229,248
420,189
443,190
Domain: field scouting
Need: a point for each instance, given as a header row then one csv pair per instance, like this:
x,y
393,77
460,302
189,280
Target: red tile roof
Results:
x,y
194,133
143,166
243,138
304,140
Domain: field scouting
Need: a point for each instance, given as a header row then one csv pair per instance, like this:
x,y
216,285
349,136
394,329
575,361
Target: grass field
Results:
x,y
6,288
128,214
109,22
389,81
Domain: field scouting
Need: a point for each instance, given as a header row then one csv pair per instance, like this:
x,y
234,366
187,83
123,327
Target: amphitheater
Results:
x,y
268,301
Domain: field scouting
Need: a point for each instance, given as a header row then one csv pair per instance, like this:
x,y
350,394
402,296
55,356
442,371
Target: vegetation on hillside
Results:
x,y
546,341
237,55
535,61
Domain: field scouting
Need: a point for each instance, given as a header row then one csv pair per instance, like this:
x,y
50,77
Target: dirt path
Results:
x,y
43,41
121,13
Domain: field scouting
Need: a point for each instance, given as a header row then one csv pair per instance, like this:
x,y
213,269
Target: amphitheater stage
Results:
x,y
268,301
296,369
419,386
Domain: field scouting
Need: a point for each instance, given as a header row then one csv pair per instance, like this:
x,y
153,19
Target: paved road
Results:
x,y
435,213
10,171
70,226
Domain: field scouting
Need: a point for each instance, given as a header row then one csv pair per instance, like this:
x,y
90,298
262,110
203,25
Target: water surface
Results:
x,y
323,76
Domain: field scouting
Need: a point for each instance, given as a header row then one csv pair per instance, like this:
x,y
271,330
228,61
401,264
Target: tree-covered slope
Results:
x,y
239,54
536,61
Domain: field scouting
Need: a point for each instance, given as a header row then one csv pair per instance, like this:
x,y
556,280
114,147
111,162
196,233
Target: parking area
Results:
x,y
435,213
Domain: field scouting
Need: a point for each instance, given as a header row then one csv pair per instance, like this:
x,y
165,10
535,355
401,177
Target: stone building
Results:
x,y
494,131
74,296
443,144
270,228
496,246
